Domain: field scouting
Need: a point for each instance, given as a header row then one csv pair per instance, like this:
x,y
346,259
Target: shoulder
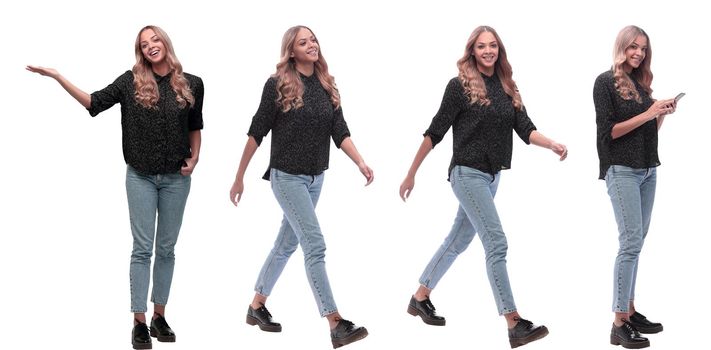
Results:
x,y
126,77
605,77
193,79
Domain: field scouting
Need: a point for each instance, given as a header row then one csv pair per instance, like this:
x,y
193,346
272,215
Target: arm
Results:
x,y
657,109
195,141
541,140
82,97
238,186
350,149
409,183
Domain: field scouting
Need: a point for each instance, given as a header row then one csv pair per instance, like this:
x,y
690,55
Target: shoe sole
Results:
x,y
142,346
540,333
265,327
414,312
162,338
617,341
652,330
356,336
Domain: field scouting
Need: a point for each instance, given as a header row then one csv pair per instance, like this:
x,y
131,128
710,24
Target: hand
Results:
x,y
406,188
662,107
236,191
47,72
188,167
559,149
367,172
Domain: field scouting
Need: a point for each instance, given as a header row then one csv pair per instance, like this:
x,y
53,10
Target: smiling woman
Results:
x,y
161,118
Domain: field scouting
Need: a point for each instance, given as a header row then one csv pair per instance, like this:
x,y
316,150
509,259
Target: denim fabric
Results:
x,y
297,195
632,195
149,196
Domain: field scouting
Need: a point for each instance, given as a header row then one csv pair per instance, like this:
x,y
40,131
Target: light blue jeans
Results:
x,y
164,196
297,195
475,191
632,195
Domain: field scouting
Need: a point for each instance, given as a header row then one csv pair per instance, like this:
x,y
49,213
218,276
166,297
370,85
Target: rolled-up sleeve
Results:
x,y
604,111
195,114
263,120
523,125
339,131
112,94
451,105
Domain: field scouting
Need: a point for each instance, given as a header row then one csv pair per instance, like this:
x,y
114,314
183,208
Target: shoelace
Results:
x,y
429,304
264,310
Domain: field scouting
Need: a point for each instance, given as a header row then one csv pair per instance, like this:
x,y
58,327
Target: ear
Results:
x,y
292,54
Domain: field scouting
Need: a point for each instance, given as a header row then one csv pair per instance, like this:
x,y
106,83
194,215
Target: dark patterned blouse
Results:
x,y
300,137
482,135
155,140
636,149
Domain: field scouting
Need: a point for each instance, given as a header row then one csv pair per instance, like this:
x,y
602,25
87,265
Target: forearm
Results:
x,y
350,150
660,120
249,149
540,140
623,128
82,97
195,137
422,152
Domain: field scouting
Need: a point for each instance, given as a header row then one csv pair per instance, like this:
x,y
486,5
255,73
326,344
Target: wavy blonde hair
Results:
x,y
642,74
469,76
144,82
290,88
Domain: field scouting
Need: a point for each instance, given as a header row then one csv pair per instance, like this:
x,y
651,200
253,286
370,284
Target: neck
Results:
x,y
161,68
488,71
627,68
306,69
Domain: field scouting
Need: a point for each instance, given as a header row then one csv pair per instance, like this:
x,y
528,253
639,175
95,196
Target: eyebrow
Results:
x,y
491,42
153,37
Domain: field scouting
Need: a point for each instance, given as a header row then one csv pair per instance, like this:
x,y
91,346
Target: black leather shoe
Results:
x,y
627,336
262,318
346,332
161,330
426,311
140,337
644,325
525,332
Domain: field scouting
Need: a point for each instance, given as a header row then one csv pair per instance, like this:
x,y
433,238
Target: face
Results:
x,y
636,52
305,48
152,47
486,52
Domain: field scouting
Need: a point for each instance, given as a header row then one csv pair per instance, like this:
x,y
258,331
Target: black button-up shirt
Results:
x,y
155,140
636,149
482,135
300,137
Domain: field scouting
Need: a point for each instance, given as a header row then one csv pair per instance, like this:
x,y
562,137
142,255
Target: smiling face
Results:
x,y
635,53
486,52
305,50
152,47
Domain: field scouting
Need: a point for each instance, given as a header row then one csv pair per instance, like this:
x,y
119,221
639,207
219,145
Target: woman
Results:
x,y
627,123
302,107
161,118
483,106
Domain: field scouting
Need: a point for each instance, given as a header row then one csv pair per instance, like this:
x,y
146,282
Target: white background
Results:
x,y
65,242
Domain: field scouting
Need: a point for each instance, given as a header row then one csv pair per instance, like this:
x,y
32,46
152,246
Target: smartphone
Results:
x,y
678,97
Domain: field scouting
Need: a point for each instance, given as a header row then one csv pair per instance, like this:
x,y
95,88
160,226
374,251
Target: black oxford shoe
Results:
x,y
262,318
346,332
426,311
161,331
525,332
644,325
140,337
627,336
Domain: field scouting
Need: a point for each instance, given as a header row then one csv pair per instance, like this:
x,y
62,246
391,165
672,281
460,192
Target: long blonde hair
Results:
x,y
290,88
469,76
642,74
145,84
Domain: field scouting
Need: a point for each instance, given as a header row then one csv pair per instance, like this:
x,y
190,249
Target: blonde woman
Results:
x,y
483,107
161,119
302,108
628,119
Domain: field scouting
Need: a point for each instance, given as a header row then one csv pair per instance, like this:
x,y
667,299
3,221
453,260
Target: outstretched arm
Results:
x,y
541,140
238,186
350,149
409,183
79,95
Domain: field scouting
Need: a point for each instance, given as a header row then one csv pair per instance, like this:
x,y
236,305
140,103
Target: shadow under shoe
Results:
x,y
140,339
262,318
627,336
426,311
346,332
525,332
161,330
644,325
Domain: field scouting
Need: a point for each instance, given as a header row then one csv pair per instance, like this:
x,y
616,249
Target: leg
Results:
x,y
284,245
